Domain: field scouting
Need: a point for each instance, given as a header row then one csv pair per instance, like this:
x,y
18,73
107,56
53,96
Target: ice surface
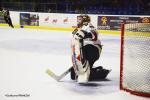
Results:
x,y
25,54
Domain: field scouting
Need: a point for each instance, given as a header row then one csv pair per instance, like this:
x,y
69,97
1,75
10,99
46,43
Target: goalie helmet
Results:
x,y
83,20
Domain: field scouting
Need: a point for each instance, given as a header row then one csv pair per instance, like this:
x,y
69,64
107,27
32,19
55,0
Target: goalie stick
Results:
x,y
56,77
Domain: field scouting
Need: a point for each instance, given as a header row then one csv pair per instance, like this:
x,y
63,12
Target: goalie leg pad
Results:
x,y
84,77
98,73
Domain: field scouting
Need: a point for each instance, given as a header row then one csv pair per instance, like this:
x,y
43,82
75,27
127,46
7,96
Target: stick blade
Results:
x,y
53,75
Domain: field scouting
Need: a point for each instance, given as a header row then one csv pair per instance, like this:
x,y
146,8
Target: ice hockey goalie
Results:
x,y
86,49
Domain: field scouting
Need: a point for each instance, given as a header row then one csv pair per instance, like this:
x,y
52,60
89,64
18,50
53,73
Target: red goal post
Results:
x,y
135,59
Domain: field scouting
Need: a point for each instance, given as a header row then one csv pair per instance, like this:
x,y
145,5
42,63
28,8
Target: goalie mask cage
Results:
x,y
135,59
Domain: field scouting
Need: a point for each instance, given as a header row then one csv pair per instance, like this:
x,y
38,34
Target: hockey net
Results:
x,y
135,59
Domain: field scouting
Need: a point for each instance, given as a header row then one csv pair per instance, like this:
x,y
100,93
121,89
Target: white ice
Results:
x,y
25,54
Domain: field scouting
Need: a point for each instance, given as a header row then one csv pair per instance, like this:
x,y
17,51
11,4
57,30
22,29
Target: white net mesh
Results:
x,y
136,58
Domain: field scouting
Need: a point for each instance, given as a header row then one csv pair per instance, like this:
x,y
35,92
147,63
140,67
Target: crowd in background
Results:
x,y
114,7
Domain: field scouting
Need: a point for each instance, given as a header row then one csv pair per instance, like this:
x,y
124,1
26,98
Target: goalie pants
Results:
x,y
90,53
